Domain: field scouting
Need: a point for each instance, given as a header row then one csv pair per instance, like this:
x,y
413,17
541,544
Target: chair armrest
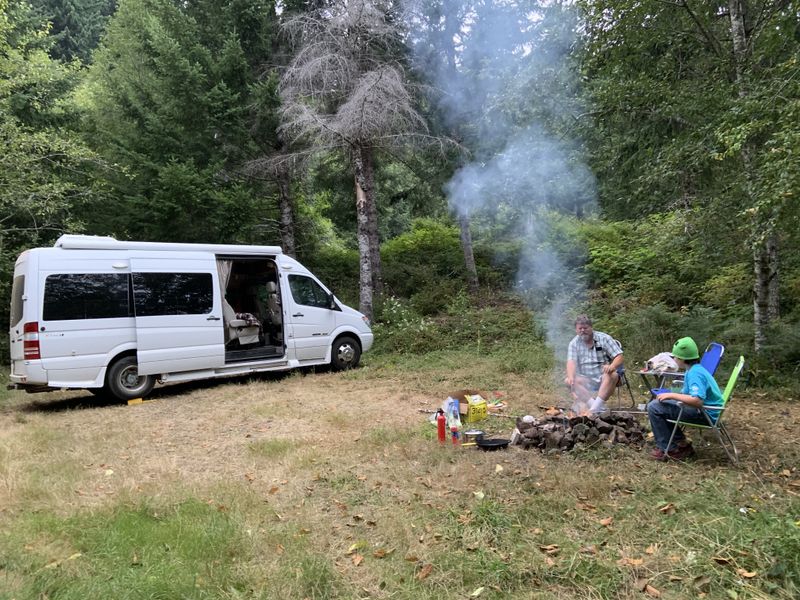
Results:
x,y
236,323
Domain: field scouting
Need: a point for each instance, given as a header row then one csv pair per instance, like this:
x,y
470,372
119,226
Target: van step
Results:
x,y
248,354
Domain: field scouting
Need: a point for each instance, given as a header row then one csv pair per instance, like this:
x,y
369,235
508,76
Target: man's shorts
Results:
x,y
591,384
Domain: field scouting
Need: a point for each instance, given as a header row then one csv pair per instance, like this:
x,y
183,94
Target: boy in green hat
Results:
x,y
699,390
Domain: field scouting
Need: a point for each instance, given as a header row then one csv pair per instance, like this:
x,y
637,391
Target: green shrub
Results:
x,y
337,268
423,258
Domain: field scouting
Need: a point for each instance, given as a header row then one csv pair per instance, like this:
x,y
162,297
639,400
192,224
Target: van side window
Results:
x,y
308,292
17,290
172,294
73,296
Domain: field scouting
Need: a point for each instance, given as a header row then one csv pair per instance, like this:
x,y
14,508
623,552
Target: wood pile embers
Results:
x,y
562,432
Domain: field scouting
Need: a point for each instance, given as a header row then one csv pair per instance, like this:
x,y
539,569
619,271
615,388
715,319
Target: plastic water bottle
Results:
x,y
455,422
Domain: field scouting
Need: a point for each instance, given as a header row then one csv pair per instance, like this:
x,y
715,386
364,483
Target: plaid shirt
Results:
x,y
589,360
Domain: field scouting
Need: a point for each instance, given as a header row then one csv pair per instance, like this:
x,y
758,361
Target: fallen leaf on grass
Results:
x,y
381,553
630,562
702,583
498,469
477,592
651,549
640,584
550,549
273,490
357,559
356,546
479,495
249,476
535,531
746,574
586,506
591,549
553,411
425,571
651,591
549,561
411,558
668,509
721,560
607,522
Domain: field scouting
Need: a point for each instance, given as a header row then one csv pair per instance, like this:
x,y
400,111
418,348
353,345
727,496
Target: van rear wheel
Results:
x,y
345,353
124,382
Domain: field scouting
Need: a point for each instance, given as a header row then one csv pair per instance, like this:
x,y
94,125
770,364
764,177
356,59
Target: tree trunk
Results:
x,y
773,301
286,206
365,246
469,257
766,298
374,237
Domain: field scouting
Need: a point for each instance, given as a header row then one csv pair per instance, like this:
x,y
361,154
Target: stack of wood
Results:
x,y
562,432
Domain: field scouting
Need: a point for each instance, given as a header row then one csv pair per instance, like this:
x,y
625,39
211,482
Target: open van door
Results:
x,y
178,314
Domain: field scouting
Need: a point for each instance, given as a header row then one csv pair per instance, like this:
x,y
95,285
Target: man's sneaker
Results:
x,y
681,452
658,454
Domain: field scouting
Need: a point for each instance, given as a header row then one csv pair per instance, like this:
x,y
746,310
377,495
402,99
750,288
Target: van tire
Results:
x,y
345,353
124,382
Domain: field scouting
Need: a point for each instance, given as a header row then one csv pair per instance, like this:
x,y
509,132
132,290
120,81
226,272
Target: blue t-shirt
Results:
x,y
701,384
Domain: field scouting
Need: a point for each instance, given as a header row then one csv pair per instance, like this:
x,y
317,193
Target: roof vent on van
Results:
x,y
84,241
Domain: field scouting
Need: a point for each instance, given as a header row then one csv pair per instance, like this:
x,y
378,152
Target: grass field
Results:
x,y
324,485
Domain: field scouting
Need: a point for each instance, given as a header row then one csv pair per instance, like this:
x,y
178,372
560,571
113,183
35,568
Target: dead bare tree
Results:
x,y
347,90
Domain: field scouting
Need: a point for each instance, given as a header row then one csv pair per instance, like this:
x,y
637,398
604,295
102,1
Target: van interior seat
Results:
x,y
274,304
240,326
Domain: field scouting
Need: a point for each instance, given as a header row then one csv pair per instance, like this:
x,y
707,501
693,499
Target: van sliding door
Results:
x,y
178,315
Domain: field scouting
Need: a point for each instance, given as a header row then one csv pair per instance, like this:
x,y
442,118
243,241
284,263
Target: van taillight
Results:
x,y
30,341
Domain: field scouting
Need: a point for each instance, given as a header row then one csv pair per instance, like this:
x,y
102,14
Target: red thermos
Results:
x,y
441,426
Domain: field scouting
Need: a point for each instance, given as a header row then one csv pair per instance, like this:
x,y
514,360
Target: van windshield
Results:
x,y
17,289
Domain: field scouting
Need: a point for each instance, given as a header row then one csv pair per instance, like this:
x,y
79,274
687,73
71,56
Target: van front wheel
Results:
x,y
345,354
124,382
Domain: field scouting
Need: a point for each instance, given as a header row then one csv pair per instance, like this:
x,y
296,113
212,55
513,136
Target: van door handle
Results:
x,y
298,315
212,318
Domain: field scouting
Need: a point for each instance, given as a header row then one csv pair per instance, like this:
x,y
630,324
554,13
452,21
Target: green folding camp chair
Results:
x,y
715,423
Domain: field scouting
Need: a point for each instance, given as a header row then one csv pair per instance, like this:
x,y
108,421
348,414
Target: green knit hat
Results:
x,y
685,349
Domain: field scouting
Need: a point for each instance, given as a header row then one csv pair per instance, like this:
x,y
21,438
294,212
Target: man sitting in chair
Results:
x,y
699,389
593,360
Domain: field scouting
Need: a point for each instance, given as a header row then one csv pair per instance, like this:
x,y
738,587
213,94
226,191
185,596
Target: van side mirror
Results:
x,y
332,302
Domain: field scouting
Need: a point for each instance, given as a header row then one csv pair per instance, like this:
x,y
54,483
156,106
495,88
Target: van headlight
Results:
x,y
365,318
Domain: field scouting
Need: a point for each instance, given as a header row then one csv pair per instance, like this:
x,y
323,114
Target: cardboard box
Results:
x,y
472,405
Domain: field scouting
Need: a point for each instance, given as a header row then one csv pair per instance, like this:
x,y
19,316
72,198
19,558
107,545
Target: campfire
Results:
x,y
562,432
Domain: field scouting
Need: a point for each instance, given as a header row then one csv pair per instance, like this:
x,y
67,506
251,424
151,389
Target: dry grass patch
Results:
x,y
333,486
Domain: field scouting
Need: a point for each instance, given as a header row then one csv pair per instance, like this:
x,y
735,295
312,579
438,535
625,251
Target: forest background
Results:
x,y
634,160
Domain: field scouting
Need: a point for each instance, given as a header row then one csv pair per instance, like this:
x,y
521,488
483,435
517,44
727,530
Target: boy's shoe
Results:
x,y
658,454
681,452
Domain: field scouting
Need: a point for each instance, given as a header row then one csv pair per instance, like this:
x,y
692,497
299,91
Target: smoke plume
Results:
x,y
506,90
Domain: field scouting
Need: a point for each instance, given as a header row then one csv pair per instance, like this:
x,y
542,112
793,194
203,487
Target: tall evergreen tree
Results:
x,y
168,99
77,25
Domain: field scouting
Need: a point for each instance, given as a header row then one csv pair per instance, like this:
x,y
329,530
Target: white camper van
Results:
x,y
117,317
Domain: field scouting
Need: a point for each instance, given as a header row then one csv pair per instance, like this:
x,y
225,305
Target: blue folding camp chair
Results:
x,y
712,357
714,423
